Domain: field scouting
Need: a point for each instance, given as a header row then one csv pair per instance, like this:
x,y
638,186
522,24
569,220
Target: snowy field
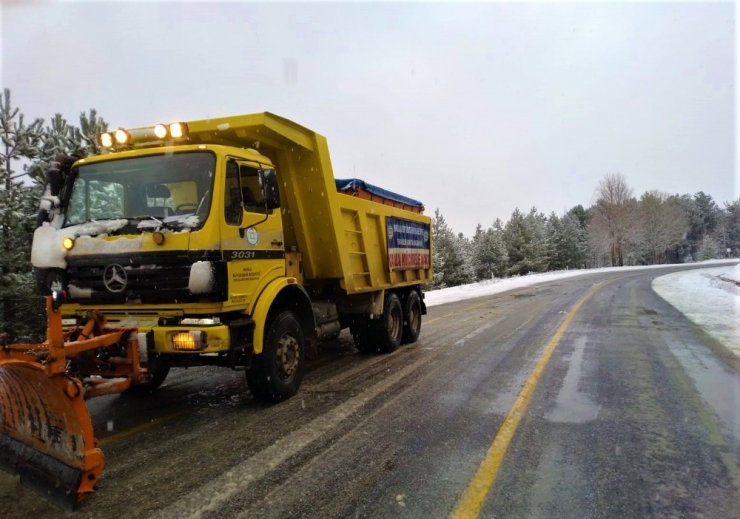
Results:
x,y
710,298
495,286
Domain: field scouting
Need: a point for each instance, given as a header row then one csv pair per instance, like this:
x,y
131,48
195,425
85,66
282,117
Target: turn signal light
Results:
x,y
189,341
68,243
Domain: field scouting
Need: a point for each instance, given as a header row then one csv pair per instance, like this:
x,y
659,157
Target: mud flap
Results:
x,y
46,433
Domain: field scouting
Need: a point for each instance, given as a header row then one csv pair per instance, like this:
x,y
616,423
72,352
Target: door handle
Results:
x,y
276,243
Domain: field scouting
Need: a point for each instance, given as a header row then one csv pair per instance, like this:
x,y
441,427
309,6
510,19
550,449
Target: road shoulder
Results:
x,y
711,303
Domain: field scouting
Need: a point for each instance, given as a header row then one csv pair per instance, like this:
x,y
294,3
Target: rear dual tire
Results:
x,y
411,317
383,335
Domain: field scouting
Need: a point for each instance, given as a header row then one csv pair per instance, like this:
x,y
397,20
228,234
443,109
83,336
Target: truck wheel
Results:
x,y
159,368
390,324
412,318
276,373
363,332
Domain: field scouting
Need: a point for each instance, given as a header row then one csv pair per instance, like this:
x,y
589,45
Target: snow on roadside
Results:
x,y
733,275
706,300
496,286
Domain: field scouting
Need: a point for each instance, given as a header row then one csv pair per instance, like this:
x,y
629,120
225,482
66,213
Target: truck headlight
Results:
x,y
189,340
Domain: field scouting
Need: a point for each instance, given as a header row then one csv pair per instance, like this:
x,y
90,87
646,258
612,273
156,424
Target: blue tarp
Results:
x,y
344,184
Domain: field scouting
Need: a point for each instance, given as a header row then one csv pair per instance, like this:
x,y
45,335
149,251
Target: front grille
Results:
x,y
139,277
150,278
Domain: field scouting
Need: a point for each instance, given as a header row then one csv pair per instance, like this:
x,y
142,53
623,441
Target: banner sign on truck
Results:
x,y
408,244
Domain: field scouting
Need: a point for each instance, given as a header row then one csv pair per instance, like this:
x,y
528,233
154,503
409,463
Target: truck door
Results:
x,y
252,238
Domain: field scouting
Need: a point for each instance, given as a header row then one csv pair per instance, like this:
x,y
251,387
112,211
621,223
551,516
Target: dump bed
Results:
x,y
341,236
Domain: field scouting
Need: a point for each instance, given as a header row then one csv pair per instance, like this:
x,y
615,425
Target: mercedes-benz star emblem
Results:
x,y
114,278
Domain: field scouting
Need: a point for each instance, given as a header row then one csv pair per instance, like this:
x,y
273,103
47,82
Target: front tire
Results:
x,y
276,373
159,367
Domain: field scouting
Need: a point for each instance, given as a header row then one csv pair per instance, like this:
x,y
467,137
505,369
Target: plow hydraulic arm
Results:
x,y
46,434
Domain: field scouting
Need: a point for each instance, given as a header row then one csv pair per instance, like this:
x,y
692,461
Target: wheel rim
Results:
x,y
414,317
395,322
288,356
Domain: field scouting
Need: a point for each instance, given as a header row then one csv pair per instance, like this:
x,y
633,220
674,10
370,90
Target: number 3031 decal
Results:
x,y
243,254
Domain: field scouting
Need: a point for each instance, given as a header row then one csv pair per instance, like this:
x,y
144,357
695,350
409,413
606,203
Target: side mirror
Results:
x,y
270,189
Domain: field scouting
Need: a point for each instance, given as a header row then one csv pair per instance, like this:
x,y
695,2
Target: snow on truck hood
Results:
x,y
47,250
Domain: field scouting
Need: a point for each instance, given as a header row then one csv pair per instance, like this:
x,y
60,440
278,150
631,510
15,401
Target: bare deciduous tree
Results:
x,y
614,219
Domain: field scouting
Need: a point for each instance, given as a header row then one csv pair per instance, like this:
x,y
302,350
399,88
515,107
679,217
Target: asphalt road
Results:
x,y
635,413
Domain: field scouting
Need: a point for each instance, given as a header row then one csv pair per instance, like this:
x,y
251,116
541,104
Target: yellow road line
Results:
x,y
470,504
141,427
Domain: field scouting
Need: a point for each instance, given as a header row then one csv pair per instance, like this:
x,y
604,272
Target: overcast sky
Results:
x,y
472,108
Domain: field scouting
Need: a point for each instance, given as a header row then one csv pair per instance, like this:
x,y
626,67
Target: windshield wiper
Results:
x,y
143,218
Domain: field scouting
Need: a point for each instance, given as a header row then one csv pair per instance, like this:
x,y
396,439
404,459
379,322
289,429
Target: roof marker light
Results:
x,y
160,131
122,136
106,140
178,130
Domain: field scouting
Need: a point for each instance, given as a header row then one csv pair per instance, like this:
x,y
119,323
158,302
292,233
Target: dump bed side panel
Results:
x,y
365,235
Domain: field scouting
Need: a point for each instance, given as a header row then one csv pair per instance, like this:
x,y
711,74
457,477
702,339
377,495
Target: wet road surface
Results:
x,y
635,413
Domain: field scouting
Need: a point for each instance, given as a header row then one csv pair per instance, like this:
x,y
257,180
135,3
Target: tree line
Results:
x,y
27,149
618,229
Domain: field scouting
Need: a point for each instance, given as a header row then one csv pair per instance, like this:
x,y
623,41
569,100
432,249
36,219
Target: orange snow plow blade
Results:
x,y
46,434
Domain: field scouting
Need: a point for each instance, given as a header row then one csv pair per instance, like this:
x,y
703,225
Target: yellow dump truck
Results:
x,y
217,242
229,241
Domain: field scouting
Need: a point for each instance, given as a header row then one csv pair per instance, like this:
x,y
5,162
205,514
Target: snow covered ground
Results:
x,y
708,297
495,286
733,275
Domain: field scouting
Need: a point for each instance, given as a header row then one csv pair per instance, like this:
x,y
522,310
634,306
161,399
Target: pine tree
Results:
x,y
663,225
59,138
556,255
466,274
490,257
451,258
732,225
526,241
21,308
573,248
87,134
708,249
501,254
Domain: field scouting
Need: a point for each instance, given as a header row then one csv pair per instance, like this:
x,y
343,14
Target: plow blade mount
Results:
x,y
46,433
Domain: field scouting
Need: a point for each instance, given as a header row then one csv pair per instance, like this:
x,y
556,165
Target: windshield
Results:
x,y
172,188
